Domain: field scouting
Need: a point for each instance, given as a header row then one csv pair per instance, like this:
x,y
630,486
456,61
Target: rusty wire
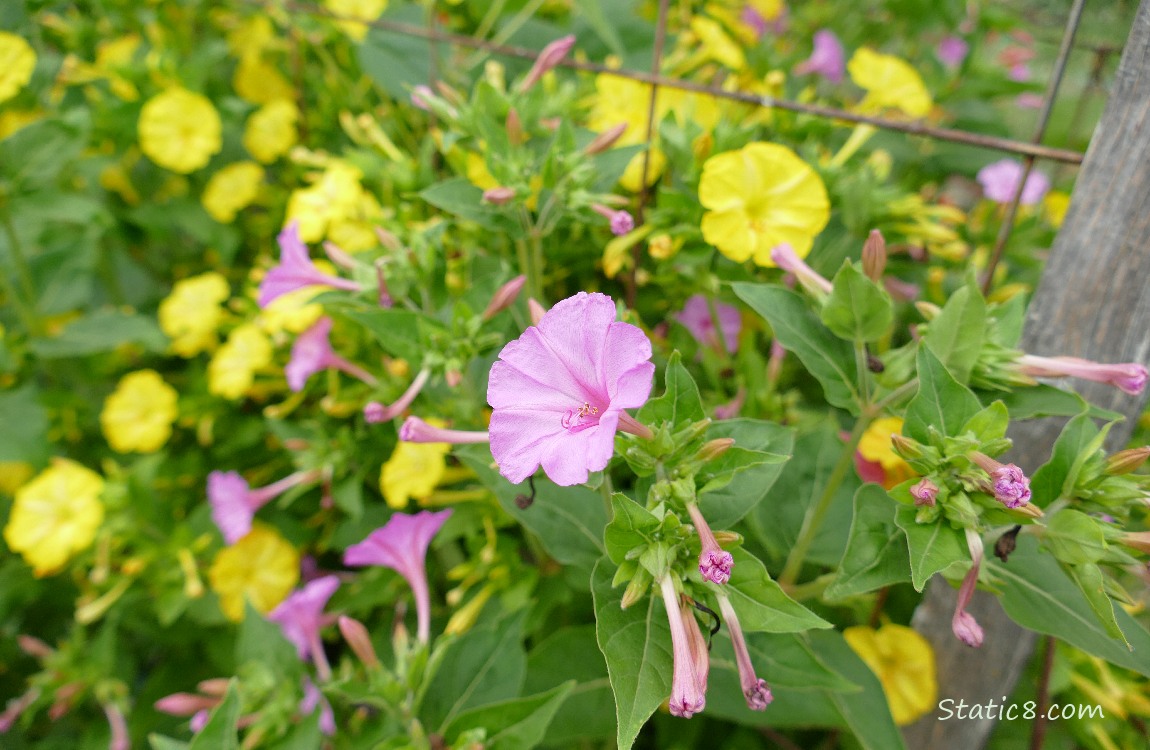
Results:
x,y
1008,145
1039,131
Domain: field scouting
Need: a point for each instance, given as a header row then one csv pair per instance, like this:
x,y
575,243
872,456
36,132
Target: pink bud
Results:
x,y
504,297
420,95
924,493
605,140
356,635
498,195
551,56
536,310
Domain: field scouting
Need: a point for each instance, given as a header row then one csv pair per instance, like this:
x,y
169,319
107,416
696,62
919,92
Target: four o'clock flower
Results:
x,y
234,503
965,627
755,690
1000,182
313,698
401,544
621,221
1129,377
827,58
299,616
715,563
375,412
558,391
295,270
415,430
925,492
952,51
784,257
687,692
312,353
1010,485
696,317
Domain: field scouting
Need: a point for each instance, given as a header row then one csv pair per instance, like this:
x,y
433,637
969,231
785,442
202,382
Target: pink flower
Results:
x,y
755,20
1000,182
401,545
785,258
415,430
312,353
924,493
1129,376
688,694
755,690
119,727
504,297
826,59
558,391
696,318
1010,485
299,616
234,503
375,412
621,222
715,563
1029,100
551,56
963,624
295,270
312,698
952,50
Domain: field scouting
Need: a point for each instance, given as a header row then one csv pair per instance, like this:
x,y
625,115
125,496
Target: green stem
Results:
x,y
811,589
817,513
25,304
537,262
863,374
893,397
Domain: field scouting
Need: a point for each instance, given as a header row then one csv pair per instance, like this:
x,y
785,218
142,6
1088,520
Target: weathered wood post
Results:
x,y
1094,302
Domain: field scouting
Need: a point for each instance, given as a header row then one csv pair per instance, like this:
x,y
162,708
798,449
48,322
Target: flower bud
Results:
x,y
638,587
34,646
925,492
605,140
551,56
927,310
1126,461
712,449
514,127
498,195
453,378
356,635
504,297
905,447
874,256
1139,540
338,256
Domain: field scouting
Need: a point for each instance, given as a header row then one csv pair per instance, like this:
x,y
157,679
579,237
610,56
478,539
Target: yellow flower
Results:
x,y
115,179
617,253
138,415
335,195
354,231
362,10
716,44
233,367
890,83
13,475
1055,205
55,515
13,120
293,312
903,661
270,131
662,246
179,130
191,314
413,471
232,189
259,81
17,60
875,446
760,197
253,36
262,568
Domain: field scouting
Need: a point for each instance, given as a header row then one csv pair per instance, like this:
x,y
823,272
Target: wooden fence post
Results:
x,y
1093,302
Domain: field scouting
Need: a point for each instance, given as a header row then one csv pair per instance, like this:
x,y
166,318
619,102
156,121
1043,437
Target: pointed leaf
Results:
x,y
220,731
637,645
517,724
680,403
941,402
1079,440
631,526
857,309
1089,580
957,333
761,604
767,446
1047,401
933,546
876,554
589,711
827,357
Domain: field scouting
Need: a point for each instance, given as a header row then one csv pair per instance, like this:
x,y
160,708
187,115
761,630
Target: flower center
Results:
x,y
575,420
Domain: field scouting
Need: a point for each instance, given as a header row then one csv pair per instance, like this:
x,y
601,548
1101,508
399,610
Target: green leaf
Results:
x,y
933,546
401,333
827,357
680,403
958,332
735,483
261,640
220,731
1091,583
761,604
637,645
516,724
589,711
631,526
569,521
1047,401
1074,538
941,402
876,554
1079,440
25,433
990,423
857,309
160,742
102,331
592,11
1039,595
486,665
459,197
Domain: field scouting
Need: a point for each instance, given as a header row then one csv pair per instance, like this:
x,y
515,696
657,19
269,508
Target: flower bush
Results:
x,y
654,403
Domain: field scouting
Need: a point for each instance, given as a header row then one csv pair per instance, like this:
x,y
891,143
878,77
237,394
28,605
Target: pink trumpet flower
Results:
x,y
295,270
1130,377
558,391
234,503
827,59
401,544
688,694
785,258
375,412
312,353
755,690
696,318
415,430
715,563
300,618
965,627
